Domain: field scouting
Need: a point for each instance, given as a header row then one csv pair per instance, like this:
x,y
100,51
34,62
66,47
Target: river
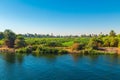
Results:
x,y
59,67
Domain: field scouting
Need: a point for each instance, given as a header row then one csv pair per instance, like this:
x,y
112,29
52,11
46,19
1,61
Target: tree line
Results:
x,y
11,40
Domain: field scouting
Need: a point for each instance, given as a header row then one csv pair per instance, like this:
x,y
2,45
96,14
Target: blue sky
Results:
x,y
63,17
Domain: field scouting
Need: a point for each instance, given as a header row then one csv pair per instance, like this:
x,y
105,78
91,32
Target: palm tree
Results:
x,y
112,33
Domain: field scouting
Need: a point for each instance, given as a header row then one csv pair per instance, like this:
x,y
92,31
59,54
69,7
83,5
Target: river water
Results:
x,y
59,67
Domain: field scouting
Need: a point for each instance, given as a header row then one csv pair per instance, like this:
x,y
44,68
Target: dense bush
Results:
x,y
48,50
78,46
94,43
20,42
24,50
53,44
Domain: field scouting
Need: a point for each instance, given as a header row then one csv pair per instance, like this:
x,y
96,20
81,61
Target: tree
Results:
x,y
9,38
1,35
20,42
114,42
112,33
94,43
106,41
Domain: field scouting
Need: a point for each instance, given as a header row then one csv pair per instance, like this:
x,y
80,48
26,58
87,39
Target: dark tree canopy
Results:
x,y
1,35
112,33
9,38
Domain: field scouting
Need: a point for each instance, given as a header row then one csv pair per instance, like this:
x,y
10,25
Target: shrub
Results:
x,y
20,42
114,42
53,44
48,50
24,50
77,46
94,43
62,51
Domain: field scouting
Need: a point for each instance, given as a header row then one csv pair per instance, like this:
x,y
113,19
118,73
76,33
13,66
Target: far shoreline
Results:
x,y
102,50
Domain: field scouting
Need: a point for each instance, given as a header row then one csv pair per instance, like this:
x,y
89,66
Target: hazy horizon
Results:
x,y
60,17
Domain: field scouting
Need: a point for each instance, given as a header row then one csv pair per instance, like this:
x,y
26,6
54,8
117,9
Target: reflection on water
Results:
x,y
48,57
76,57
12,58
59,67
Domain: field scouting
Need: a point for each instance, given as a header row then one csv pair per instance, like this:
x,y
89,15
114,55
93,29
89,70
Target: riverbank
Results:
x,y
7,50
100,50
109,49
106,50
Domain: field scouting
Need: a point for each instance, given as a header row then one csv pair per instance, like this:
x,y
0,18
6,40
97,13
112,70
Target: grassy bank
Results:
x,y
51,50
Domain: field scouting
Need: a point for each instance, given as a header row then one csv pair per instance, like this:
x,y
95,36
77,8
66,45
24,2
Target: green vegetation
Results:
x,y
60,45
20,42
9,38
1,42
